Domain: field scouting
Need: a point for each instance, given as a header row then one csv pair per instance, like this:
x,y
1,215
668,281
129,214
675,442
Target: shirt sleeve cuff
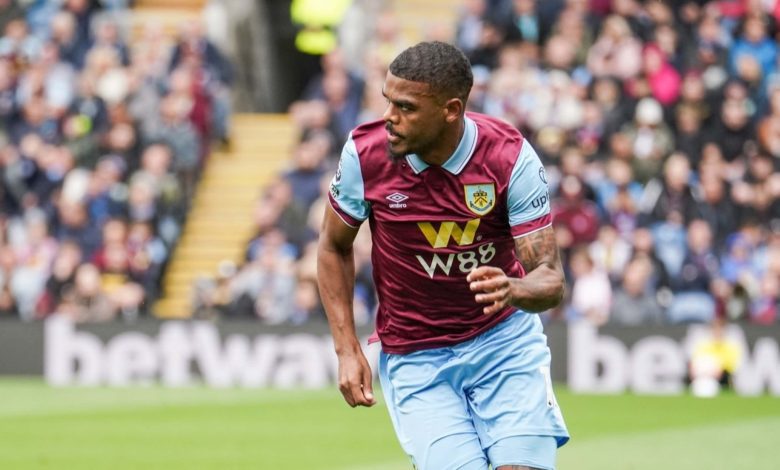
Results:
x,y
531,226
348,219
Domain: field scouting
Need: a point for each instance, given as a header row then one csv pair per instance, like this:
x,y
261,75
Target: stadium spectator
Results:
x,y
650,138
616,52
575,218
669,196
633,302
469,26
591,291
610,253
733,128
86,301
309,160
62,279
9,11
693,301
714,205
753,48
715,357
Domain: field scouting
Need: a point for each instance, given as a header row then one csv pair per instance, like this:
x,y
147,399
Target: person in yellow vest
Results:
x,y
714,361
318,21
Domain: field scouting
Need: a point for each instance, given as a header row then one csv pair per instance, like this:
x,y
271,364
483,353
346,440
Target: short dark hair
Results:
x,y
442,66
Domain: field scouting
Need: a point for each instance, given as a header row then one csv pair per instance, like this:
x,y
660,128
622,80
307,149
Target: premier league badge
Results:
x,y
480,198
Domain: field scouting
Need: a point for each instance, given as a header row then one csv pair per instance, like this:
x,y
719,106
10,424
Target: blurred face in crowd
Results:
x,y
35,110
677,172
559,53
572,161
141,193
616,28
760,167
734,114
16,30
652,59
67,260
157,159
580,262
116,258
692,88
636,276
606,92
73,214
688,120
666,38
114,232
335,87
755,30
699,236
88,280
713,189
63,27
311,153
619,172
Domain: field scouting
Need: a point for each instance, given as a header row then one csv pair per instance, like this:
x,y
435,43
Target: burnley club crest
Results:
x,y
480,198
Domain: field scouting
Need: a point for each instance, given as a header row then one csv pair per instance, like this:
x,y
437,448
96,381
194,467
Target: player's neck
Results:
x,y
449,142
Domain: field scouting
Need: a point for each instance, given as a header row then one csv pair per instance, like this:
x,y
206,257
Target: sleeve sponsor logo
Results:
x,y
540,201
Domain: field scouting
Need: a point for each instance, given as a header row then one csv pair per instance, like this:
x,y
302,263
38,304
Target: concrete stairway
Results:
x,y
220,222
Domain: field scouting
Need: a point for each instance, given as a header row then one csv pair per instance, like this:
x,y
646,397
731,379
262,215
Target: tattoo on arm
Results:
x,y
538,248
543,285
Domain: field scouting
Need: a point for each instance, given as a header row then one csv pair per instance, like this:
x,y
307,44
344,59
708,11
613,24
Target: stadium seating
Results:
x,y
220,222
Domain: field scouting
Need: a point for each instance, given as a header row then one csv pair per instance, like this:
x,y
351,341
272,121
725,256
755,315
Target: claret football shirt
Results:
x,y
431,225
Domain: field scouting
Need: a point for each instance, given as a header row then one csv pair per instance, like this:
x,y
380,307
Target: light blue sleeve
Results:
x,y
528,198
346,188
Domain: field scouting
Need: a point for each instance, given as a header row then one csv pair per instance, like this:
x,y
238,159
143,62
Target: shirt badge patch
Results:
x,y
480,198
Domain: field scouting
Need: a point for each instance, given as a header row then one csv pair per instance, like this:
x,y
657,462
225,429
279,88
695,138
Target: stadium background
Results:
x,y
165,160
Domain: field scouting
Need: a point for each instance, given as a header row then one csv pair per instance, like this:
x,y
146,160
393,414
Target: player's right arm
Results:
x,y
336,275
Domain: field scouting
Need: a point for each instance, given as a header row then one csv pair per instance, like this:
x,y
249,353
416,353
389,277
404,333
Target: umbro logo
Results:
x,y
397,200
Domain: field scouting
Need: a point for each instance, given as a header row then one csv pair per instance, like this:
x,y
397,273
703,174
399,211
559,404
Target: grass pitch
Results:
x,y
199,428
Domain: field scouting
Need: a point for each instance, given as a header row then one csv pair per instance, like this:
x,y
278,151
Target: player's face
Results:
x,y
414,117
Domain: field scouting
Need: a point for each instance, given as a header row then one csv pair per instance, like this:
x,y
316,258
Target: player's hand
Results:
x,y
492,286
355,379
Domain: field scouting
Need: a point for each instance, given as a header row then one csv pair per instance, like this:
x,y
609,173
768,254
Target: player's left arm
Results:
x,y
528,201
540,289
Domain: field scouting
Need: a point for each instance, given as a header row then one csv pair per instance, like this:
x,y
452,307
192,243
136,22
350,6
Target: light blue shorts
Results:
x,y
486,401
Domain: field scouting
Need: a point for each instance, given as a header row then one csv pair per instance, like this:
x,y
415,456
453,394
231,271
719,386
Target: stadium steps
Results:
x,y
422,18
220,221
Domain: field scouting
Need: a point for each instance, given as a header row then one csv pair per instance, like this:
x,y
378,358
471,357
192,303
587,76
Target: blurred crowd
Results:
x,y
659,125
658,122
104,129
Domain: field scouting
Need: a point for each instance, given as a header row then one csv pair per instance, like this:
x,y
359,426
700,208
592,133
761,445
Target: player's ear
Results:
x,y
453,109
